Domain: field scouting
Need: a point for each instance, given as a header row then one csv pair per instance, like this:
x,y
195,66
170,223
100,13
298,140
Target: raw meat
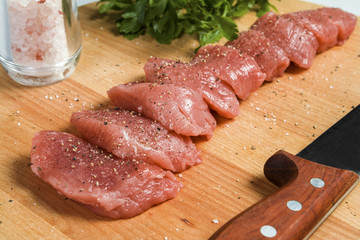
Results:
x,y
326,33
105,184
299,44
271,58
239,70
129,135
216,93
177,108
219,95
344,21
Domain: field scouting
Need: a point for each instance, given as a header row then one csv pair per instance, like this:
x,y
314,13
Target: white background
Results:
x,y
352,6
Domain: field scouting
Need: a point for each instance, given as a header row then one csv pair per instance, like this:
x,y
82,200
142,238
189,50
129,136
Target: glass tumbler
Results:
x,y
40,40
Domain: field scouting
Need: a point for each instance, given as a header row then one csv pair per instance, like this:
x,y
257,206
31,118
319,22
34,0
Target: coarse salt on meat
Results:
x,y
129,135
299,44
176,108
216,93
239,70
107,185
271,58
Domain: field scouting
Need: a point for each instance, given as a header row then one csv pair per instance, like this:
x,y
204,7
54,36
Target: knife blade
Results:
x,y
312,184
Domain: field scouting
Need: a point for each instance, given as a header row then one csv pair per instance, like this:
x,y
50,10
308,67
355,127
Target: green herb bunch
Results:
x,y
166,20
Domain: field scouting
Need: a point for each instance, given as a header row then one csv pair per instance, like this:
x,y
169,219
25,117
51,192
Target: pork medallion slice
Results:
x,y
299,44
216,93
219,95
325,32
129,135
176,108
107,185
239,70
271,58
344,21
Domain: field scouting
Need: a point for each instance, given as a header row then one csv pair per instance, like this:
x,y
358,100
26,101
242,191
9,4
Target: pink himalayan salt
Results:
x,y
37,32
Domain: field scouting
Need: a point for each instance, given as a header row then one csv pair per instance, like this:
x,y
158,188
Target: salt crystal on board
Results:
x,y
215,221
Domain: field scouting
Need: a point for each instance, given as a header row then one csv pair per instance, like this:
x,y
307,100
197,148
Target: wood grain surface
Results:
x,y
288,113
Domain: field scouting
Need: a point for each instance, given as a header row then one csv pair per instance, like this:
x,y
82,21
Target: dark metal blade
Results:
x,y
339,146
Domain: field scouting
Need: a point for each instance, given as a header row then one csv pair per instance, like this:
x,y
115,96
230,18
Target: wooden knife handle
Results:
x,y
308,193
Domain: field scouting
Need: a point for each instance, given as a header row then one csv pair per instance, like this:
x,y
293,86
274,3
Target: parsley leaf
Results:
x,y
166,20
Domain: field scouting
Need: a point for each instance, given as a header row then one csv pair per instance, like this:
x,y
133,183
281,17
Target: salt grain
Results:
x,y
215,221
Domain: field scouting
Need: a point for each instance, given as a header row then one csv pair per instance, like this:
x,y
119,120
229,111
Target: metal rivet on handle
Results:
x,y
317,182
268,231
294,205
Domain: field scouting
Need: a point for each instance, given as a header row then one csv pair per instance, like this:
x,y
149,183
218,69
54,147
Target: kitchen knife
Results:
x,y
309,190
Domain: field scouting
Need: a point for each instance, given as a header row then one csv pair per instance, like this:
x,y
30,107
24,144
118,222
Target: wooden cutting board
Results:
x,y
288,113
